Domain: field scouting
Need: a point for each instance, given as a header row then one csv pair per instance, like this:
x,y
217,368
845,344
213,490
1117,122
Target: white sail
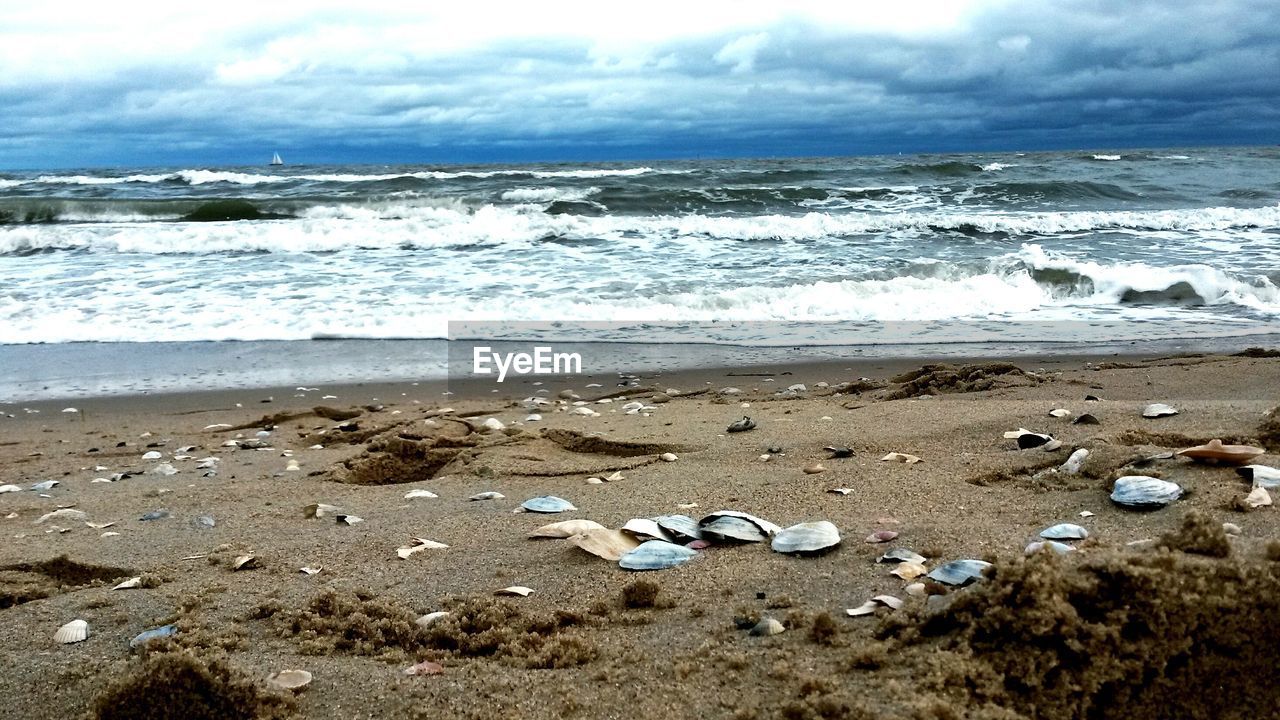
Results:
x,y
275,159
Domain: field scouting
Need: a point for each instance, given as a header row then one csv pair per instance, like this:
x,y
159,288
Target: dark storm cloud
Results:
x,y
1015,75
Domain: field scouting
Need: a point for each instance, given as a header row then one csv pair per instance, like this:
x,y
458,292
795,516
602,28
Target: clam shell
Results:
x,y
1027,439
515,590
290,679
1156,410
1059,412
656,555
1064,531
547,504
901,457
807,537
46,485
419,494
490,495
959,572
147,636
492,424
426,620
1215,450
680,526
152,455
646,529
608,544
73,632
909,570
343,519
133,582
765,527
668,457
1054,545
733,529
1075,462
742,425
1260,475
900,555
1141,492
767,627
565,528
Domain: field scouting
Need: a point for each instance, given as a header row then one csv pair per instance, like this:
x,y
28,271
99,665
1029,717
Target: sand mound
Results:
x,y
182,686
935,379
24,582
395,460
1160,636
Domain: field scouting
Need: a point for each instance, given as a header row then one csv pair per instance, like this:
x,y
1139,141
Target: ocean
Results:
x,y
1084,247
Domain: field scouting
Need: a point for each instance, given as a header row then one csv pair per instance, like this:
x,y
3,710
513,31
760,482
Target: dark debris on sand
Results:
x,y
185,686
940,378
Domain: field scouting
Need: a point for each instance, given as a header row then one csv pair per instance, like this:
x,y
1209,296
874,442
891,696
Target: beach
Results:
x,y
1156,614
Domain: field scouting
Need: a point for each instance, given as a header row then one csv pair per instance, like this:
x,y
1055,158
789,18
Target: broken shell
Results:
x,y
767,627
160,514
565,528
344,519
608,544
1086,514
426,667
65,514
319,510
742,425
516,590
656,555
1064,531
310,570
808,537
9,489
1157,410
1086,419
900,457
1075,462
594,481
73,632
814,469
959,572
547,504
290,679
839,452
426,620
646,529
1214,450
668,457
1027,439
1260,475
147,636
244,562
909,570
493,424
840,491
419,494
152,455
45,486
1054,545
133,582
901,555
1059,412
880,536
680,526
1141,492
487,496
1231,528
419,545
917,589
867,608
1258,497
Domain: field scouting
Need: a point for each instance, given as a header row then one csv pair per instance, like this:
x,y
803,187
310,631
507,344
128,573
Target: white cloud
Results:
x,y
1014,43
741,52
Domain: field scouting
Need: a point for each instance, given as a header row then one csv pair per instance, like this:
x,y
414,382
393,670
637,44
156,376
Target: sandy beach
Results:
x,y
1158,614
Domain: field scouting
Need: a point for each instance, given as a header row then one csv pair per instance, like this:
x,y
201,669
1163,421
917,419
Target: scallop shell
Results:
x,y
1157,410
547,504
290,679
646,529
607,544
1260,475
1064,531
73,632
565,528
656,555
515,590
1141,492
959,572
680,526
767,627
1214,450
807,537
147,636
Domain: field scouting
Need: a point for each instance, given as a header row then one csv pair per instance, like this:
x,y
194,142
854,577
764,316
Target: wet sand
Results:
x,y
351,625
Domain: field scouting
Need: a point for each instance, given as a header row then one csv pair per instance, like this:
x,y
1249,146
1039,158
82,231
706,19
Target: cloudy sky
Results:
x,y
148,83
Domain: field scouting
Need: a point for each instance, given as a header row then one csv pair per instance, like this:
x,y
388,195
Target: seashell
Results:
x,y
1074,462
959,572
163,469
767,627
668,457
656,555
294,680
909,570
147,636
160,514
109,534
839,452
917,589
565,528
1260,475
533,417
900,457
1064,531
515,590
1258,497
1086,514
730,391
419,545
1086,419
568,395
9,489
646,529
808,537
1231,528
880,536
487,496
244,562
680,526
1141,492
1054,545
344,519
608,544
99,526
901,555
65,514
73,632
547,504
736,526
614,477
45,486
1158,410
426,667
131,583
292,466
1059,412
493,425
319,510
310,570
841,491
1027,439
584,411
419,494
426,620
594,481
152,455
742,425
889,601
814,469
867,608
1215,451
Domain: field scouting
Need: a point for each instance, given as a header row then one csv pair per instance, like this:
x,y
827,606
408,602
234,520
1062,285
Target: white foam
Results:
x,y
548,194
205,177
1106,157
997,166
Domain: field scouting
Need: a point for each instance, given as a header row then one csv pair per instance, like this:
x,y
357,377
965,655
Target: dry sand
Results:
x,y
1155,630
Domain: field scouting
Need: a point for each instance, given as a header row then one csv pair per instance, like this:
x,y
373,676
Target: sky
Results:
x,y
224,83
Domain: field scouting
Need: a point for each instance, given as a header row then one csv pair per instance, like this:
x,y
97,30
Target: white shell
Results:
x,y
1064,531
1075,462
1258,497
1155,410
1143,492
65,514
607,544
565,529
487,496
348,519
646,529
319,510
1054,545
419,545
1260,475
244,562
808,537
426,620
133,582
290,679
519,590
900,457
419,494
493,424
668,457
9,489
73,632
656,555
1059,412
547,504
767,627
153,455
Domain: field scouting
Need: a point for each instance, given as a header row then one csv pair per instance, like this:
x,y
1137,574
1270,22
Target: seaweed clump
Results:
x,y
183,686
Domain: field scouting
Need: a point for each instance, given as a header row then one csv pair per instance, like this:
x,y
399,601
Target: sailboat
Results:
x,y
275,159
